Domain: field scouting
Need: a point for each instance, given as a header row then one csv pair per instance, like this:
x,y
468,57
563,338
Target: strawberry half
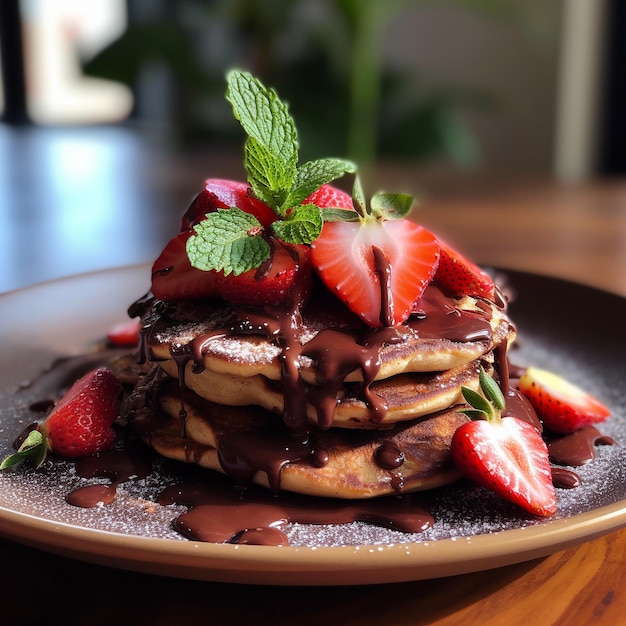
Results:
x,y
562,406
79,425
219,193
506,455
377,266
461,277
174,278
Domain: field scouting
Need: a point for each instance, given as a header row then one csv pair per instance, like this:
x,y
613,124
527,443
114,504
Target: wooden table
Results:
x,y
577,233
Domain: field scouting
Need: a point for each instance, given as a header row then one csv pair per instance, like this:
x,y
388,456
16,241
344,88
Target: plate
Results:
x,y
574,329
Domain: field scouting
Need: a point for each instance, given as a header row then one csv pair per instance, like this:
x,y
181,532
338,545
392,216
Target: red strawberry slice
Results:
x,y
508,456
328,196
461,277
174,278
562,406
286,275
80,424
220,193
344,257
124,334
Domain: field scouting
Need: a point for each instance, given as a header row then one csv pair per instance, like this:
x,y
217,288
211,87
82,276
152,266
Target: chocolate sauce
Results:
x,y
564,478
218,513
389,456
577,448
119,465
384,272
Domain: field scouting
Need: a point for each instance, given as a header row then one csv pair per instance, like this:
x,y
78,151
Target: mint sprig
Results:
x,y
237,244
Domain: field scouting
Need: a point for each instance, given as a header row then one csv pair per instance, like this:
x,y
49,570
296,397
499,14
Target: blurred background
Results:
x,y
112,112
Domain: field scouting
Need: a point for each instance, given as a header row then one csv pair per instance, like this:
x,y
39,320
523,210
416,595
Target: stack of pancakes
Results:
x,y
312,401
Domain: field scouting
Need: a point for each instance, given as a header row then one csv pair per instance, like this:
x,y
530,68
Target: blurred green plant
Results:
x,y
325,57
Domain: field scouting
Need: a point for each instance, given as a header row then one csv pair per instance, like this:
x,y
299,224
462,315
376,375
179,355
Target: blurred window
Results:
x,y
56,37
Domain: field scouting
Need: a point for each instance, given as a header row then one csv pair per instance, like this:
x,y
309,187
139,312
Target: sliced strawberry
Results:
x,y
125,333
504,454
328,196
562,406
344,257
79,425
508,456
287,274
220,193
461,277
174,278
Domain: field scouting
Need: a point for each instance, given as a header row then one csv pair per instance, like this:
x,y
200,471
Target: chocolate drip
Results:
x,y
383,271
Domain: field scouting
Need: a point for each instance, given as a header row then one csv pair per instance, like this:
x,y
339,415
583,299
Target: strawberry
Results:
x,y
330,196
174,278
562,406
345,257
506,455
273,282
220,193
458,275
79,425
124,334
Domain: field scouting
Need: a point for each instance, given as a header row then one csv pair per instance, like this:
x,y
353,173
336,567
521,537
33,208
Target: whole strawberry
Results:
x,y
562,406
506,455
79,425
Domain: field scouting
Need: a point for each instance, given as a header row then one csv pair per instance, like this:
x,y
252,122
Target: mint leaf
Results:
x,y
302,225
228,240
267,175
270,129
391,206
313,174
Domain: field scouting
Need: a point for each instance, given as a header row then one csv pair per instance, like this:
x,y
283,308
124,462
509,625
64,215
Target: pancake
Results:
x,y
249,444
399,398
448,334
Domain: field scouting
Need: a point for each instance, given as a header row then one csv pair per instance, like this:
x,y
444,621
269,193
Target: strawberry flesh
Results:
x,y
509,457
562,406
81,422
344,257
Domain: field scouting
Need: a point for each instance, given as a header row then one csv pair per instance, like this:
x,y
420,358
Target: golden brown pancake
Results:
x,y
405,396
413,348
356,460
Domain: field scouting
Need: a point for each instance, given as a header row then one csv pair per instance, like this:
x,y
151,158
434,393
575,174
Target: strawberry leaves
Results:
x,y
504,454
